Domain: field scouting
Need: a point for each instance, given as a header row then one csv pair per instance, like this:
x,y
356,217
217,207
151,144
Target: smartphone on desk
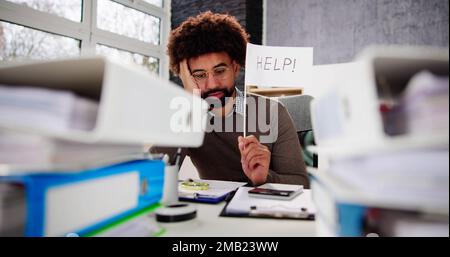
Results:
x,y
273,193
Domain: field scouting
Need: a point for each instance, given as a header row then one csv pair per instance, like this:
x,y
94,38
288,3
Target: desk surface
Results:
x,y
208,223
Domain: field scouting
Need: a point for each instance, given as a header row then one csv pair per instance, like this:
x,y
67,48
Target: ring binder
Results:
x,y
62,203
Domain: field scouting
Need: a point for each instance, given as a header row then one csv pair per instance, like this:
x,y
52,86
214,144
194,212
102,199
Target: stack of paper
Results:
x,y
426,103
389,150
422,108
42,108
29,152
24,111
412,224
418,177
96,141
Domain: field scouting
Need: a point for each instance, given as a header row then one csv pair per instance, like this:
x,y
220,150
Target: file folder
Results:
x,y
80,202
134,106
347,118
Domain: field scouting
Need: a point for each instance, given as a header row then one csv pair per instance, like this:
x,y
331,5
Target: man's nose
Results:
x,y
211,82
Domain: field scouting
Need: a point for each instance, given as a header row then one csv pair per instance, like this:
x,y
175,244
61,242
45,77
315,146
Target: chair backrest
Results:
x,y
298,107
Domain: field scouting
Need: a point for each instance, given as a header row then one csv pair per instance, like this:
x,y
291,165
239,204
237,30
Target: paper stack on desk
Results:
x,y
42,108
27,152
26,111
301,207
386,162
66,185
72,136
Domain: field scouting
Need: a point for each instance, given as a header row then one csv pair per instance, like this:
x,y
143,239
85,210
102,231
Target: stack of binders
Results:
x,y
78,202
384,169
72,136
12,209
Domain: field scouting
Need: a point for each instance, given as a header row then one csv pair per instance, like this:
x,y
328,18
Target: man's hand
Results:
x,y
255,159
185,76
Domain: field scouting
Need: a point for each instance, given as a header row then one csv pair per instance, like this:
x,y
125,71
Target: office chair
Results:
x,y
298,107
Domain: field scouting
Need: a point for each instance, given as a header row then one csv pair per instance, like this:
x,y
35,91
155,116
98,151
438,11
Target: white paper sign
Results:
x,y
273,66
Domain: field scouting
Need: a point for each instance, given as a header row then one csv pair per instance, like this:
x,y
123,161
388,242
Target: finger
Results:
x,y
245,163
184,66
185,75
183,69
261,153
245,169
241,143
248,149
256,152
257,161
250,139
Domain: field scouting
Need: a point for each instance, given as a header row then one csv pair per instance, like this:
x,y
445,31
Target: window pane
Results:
x,y
128,22
151,63
69,9
158,3
18,42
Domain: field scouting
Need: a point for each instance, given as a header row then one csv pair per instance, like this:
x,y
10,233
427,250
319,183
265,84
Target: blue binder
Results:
x,y
349,217
204,198
149,174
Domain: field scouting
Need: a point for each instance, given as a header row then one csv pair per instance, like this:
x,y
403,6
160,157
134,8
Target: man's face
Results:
x,y
214,74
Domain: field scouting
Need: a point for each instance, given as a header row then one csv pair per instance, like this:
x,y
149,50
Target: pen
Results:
x,y
177,157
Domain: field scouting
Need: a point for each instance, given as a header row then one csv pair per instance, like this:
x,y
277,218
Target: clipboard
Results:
x,y
268,208
217,191
200,198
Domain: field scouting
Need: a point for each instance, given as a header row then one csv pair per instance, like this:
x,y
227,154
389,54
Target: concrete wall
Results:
x,y
339,29
182,9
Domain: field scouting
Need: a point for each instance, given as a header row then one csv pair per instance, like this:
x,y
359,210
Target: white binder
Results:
x,y
135,107
346,117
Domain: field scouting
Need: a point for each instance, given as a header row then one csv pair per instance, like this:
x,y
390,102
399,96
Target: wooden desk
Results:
x,y
275,91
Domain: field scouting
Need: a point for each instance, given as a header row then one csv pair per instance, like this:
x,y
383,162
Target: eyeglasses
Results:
x,y
219,73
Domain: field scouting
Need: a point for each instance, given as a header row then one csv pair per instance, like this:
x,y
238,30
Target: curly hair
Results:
x,y
207,33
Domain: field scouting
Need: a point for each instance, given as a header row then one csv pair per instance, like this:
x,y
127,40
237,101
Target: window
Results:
x,y
69,9
128,22
19,42
127,30
152,64
158,3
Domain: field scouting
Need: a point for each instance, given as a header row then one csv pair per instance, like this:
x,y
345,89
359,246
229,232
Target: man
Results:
x,y
207,53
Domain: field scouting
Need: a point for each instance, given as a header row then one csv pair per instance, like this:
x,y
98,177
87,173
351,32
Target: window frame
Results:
x,y
87,31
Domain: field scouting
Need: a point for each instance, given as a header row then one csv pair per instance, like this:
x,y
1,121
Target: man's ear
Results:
x,y
236,68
